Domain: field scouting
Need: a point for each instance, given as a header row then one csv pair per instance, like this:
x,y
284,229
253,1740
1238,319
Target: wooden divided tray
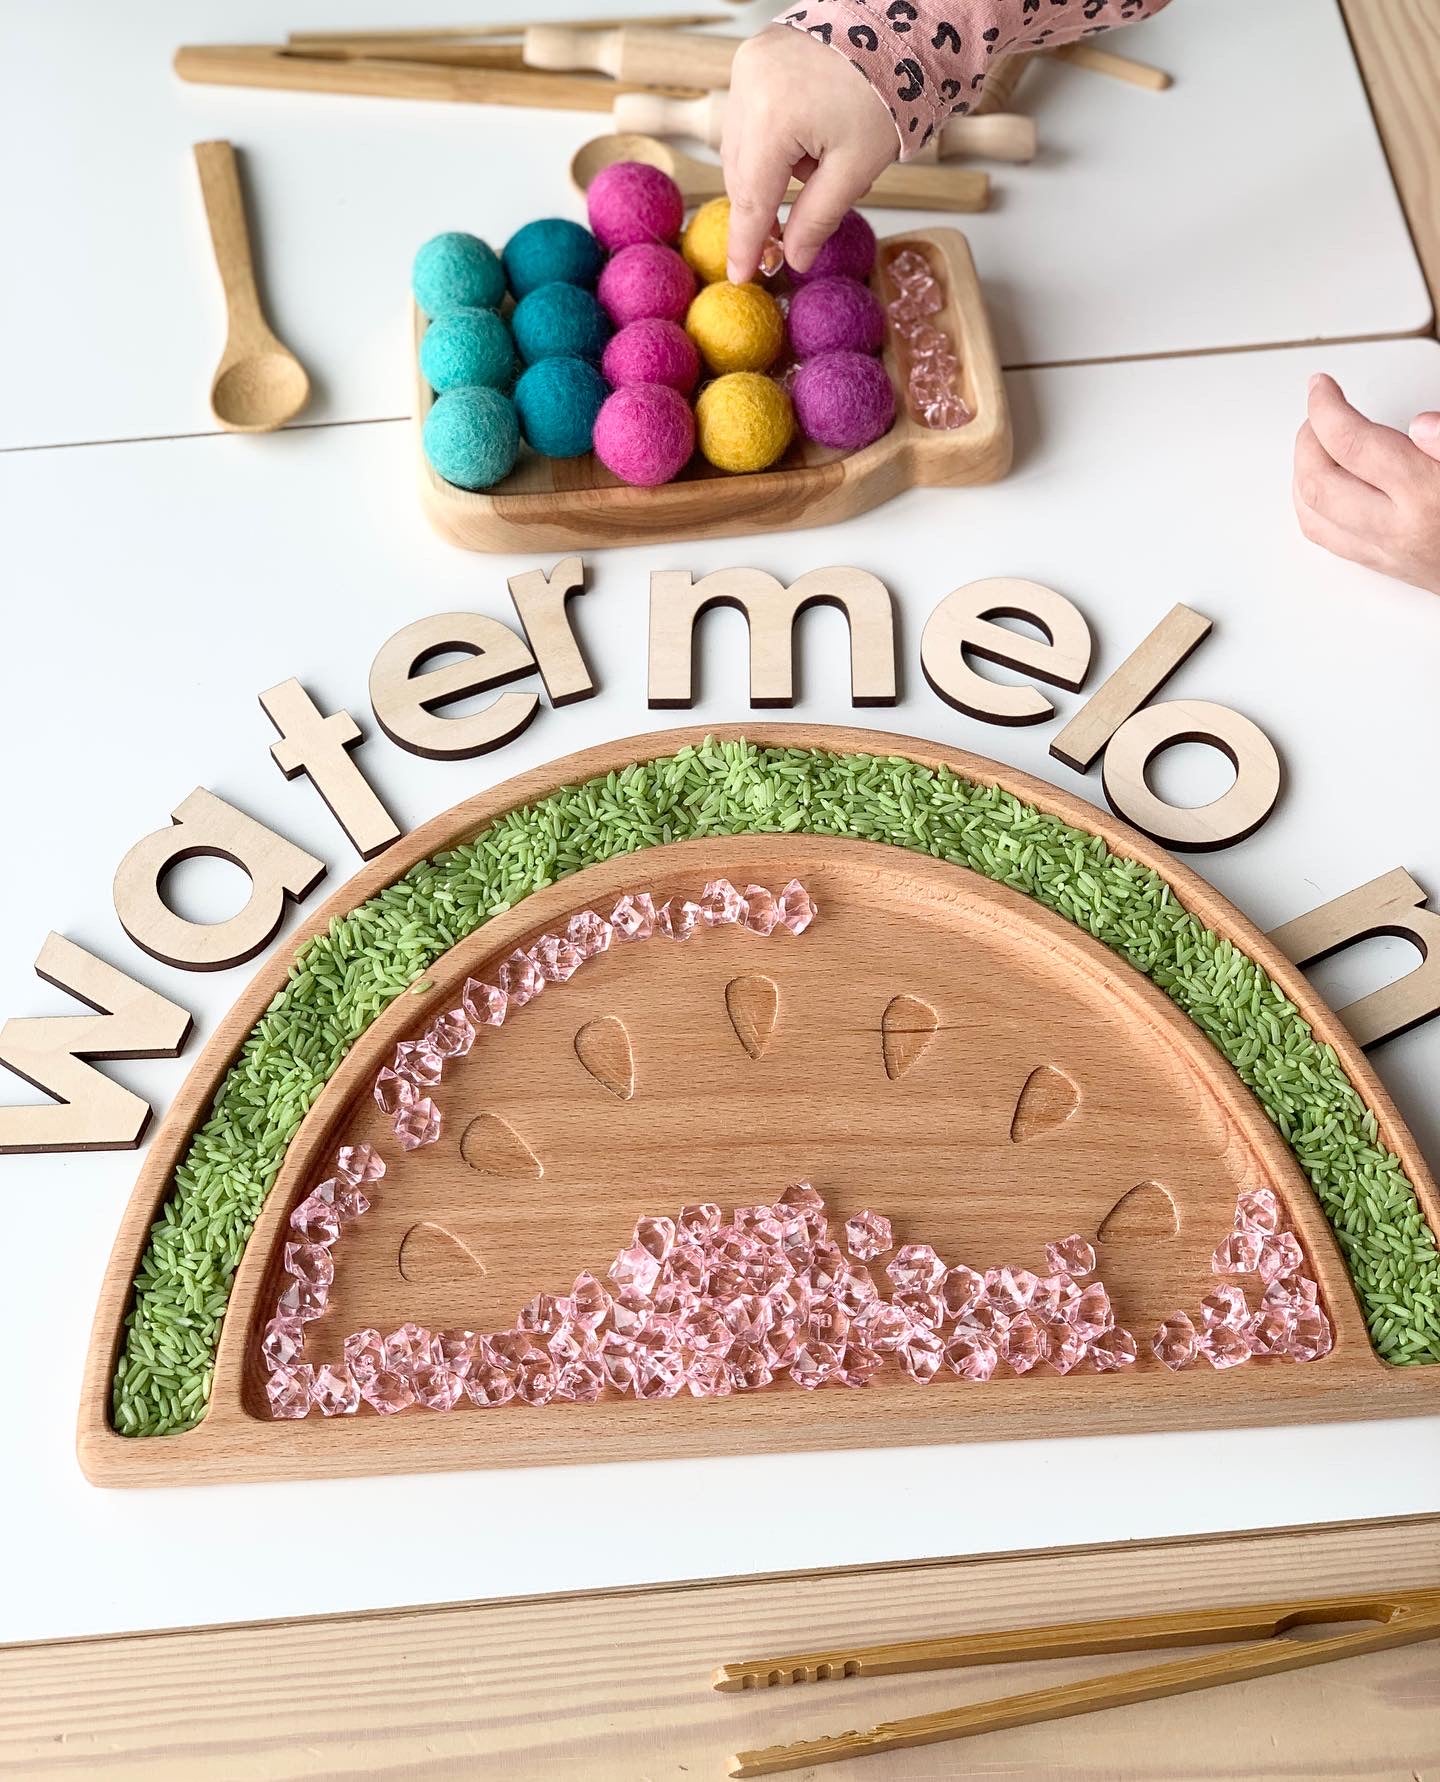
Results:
x,y
572,503
1025,1083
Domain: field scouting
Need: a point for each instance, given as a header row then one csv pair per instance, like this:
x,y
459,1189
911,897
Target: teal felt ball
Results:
x,y
558,400
551,250
559,321
456,269
471,436
467,346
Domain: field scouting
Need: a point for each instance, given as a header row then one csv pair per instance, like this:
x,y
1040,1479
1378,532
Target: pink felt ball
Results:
x,y
643,280
630,201
652,351
645,433
849,253
833,315
843,400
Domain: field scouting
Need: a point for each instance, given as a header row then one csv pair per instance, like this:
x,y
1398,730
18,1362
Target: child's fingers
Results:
x,y
1322,487
1425,432
1377,455
829,192
756,175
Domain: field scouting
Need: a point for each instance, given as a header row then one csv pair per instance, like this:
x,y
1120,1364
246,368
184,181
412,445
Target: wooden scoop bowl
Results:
x,y
259,384
898,188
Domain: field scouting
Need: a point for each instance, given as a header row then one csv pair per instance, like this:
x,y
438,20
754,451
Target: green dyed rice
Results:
x,y
341,980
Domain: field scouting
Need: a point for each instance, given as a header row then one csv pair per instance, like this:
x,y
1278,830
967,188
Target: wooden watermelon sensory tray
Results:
x,y
1012,1021
573,503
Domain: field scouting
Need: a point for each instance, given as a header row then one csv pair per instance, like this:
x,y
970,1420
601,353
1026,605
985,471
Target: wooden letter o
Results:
x,y
1237,813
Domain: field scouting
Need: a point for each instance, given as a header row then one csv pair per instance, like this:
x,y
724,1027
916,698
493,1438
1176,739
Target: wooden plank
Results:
x,y
624,1678
1397,44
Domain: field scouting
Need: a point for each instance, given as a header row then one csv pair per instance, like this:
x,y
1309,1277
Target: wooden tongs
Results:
x,y
1399,1619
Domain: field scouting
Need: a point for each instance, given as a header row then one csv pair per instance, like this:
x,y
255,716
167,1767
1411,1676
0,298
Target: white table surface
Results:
x,y
156,588
1248,205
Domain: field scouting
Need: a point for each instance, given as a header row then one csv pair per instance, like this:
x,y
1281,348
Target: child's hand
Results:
x,y
1367,492
797,108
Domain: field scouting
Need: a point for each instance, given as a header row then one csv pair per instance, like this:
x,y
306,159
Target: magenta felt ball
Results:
x,y
843,400
849,253
646,279
645,433
652,351
630,202
835,315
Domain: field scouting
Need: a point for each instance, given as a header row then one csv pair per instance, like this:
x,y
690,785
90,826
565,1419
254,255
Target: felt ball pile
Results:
x,y
574,340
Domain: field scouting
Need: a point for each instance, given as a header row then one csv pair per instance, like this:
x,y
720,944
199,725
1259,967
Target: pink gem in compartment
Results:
x,y
1024,1344
337,1392
921,1353
409,1347
1010,1290
588,933
721,904
557,959
797,907
633,918
291,1391
417,1063
418,1125
1257,1209
365,1354
437,1387
579,1381
358,1164
1175,1342
700,1220
1238,1254
1113,1351
1070,1256
868,1235
484,1005
961,1289
488,1383
316,1221
761,910
387,1392
971,1355
678,918
1090,1314
450,1035
635,1270
301,1302
520,979
393,1094
282,1343
1225,1345
588,1301
916,1265
1312,1336
311,1264
1225,1304
1280,1257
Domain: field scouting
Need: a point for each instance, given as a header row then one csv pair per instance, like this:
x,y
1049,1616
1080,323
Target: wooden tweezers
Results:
x,y
1399,1619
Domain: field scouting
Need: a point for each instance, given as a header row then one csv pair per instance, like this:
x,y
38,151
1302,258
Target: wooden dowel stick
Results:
x,y
451,33
1102,61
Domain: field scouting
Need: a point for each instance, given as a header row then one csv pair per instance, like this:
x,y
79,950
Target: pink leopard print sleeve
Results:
x,y
927,59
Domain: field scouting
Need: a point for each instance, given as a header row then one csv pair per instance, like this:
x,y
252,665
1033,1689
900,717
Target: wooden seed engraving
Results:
x,y
603,1047
752,1004
429,1255
492,1147
1144,1211
906,1030
1048,1099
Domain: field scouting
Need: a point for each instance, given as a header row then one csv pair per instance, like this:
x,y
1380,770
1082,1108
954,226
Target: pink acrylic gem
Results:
x,y
1113,1351
803,1197
1238,1254
706,1331
358,1164
457,1350
971,1355
699,1221
1271,1330
579,1381
544,1314
635,1270
921,1353
316,1221
881,1326
365,1354
1224,1304
827,1269
987,1317
558,959
418,1125
630,1313
1090,1313
857,1366
868,1235
960,1290
350,1203
661,1374
707,1376
1280,1257
588,1302
721,904
1312,1336
1066,1350
301,1301
748,1367
1294,1294
1024,1344
814,1364
633,918
919,1306
678,918
855,1290
1071,1256
945,412
1174,1342
337,1392
291,1391
1010,1290
311,1264
521,980
908,266
797,907
656,1234
1054,1297
826,1323
761,910
418,1064
387,1392
282,1343
484,1005
1257,1209
450,1035
688,1266
1225,1345
436,1387
772,256
393,1094
570,1341
588,933
488,1383
619,1369
409,1347
916,1265
535,1380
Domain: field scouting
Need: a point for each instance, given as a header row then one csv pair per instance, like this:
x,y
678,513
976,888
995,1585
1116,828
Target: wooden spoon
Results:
x,y
901,188
259,384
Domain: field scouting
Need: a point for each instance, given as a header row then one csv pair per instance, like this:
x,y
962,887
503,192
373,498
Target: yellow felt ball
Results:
x,y
736,327
743,421
704,241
